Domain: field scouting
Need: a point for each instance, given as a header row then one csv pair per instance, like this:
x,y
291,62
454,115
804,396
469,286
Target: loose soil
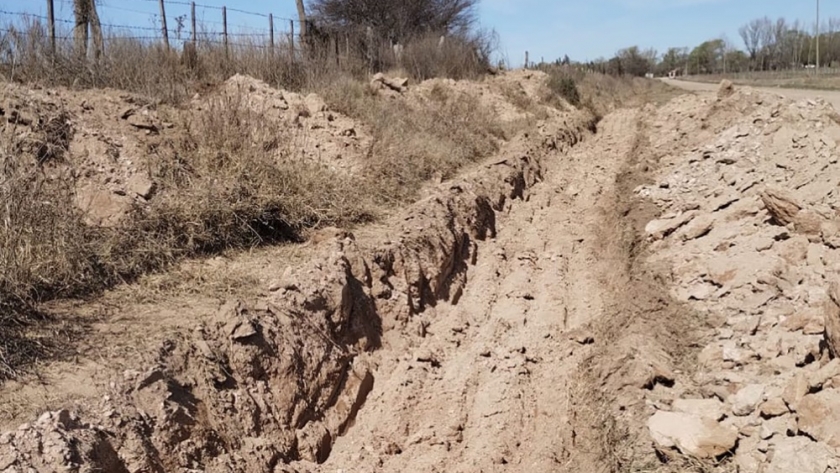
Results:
x,y
648,292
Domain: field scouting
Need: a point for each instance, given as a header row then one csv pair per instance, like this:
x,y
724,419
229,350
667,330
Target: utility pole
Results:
x,y
818,36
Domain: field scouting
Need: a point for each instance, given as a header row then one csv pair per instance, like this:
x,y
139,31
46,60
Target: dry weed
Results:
x,y
414,143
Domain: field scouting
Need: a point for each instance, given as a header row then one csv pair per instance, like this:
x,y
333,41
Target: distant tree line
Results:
x,y
765,45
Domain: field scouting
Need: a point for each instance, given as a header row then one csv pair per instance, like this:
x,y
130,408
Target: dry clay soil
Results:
x,y
654,293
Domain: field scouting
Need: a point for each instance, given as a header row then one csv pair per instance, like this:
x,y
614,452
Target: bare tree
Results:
x,y
86,17
750,35
398,20
833,46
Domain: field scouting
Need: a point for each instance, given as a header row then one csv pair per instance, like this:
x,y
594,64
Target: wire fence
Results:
x,y
171,22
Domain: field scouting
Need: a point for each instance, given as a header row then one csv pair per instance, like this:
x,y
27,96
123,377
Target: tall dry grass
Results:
x,y
414,142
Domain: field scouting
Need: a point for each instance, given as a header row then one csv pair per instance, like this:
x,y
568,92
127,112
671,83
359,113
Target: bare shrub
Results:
x,y
564,86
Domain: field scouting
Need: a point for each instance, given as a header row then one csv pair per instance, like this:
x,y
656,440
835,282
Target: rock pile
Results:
x,y
749,196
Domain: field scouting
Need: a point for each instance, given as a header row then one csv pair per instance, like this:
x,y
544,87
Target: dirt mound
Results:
x,y
314,132
106,140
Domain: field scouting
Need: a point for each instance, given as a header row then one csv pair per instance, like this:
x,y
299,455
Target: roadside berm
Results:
x,y
654,291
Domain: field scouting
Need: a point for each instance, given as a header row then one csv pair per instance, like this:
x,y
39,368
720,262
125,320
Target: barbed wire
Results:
x,y
256,31
202,39
184,3
216,7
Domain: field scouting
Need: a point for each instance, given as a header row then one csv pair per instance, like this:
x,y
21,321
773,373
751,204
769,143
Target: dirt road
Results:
x,y
830,96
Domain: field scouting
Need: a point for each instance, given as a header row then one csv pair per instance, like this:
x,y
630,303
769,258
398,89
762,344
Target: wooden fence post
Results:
x,y
224,29
369,37
51,19
163,24
526,59
292,37
271,33
194,31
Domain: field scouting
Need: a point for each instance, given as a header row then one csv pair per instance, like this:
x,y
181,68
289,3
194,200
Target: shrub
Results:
x,y
565,86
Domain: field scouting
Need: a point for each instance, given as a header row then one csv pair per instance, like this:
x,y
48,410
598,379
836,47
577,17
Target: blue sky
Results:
x,y
583,29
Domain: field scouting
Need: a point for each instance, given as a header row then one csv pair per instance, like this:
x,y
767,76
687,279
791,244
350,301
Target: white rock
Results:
x,y
800,455
819,416
691,434
745,401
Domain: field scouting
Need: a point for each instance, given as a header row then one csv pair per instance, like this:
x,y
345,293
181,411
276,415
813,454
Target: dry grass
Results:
x,y
415,142
426,58
603,93
145,67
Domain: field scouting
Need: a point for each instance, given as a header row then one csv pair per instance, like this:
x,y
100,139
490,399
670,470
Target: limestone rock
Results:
x,y
781,205
832,319
800,455
692,435
698,227
819,416
660,228
141,186
725,89
747,399
773,408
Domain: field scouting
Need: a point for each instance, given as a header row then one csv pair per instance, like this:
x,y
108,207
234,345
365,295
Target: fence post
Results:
x,y
51,19
271,33
526,59
194,32
224,28
292,37
163,24
369,37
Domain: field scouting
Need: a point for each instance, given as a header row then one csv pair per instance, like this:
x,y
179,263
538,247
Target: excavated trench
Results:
x,y
505,323
619,300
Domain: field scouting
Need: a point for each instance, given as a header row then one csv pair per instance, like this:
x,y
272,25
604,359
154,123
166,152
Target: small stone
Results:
x,y
661,228
698,227
745,401
800,455
766,432
141,186
818,378
764,244
243,330
773,408
819,416
795,390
